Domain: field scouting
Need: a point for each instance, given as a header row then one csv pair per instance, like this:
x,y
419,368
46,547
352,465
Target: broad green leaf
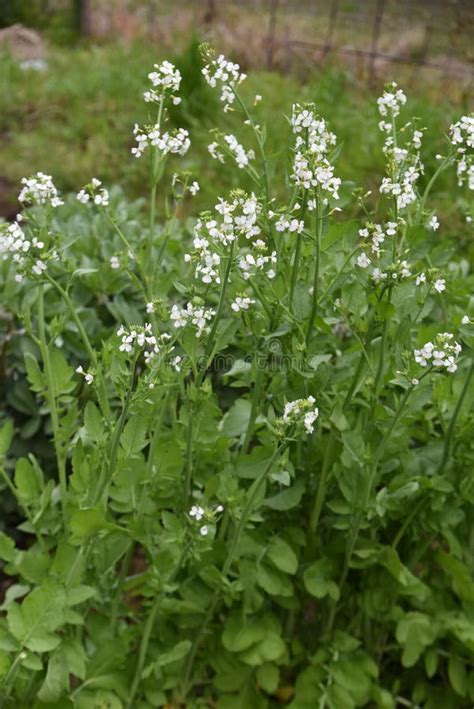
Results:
x,y
287,499
273,582
457,675
236,420
318,581
133,438
85,523
268,676
26,481
93,422
57,678
34,622
415,631
7,547
34,373
282,555
6,436
177,653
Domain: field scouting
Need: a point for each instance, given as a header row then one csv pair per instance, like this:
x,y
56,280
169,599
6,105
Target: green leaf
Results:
x,y
268,677
34,622
177,653
85,523
75,657
318,581
287,499
7,547
134,435
6,436
457,675
273,582
34,373
62,373
57,679
415,631
236,420
79,594
282,555
26,481
93,423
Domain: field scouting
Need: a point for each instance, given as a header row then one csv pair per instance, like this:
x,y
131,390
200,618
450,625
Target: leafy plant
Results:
x,y
258,484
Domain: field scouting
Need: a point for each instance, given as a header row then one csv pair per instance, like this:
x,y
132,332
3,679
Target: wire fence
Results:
x,y
434,35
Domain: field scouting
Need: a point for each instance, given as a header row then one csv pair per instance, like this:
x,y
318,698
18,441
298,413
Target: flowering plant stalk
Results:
x,y
256,487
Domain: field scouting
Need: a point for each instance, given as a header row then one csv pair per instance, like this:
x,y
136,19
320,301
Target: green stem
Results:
x,y
189,459
92,355
314,304
145,641
51,399
322,485
252,494
211,339
357,521
383,344
254,406
449,435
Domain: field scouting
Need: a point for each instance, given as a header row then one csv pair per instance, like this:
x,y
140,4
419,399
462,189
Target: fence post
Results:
x,y
375,37
271,32
333,13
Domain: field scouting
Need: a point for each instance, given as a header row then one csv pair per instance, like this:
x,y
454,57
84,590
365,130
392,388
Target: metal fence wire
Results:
x,y
431,35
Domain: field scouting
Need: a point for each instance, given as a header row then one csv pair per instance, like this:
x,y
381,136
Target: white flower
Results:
x,y
242,158
194,188
443,353
39,190
150,307
175,142
439,285
197,512
222,72
421,278
363,261
204,530
114,262
143,338
241,303
83,196
461,135
166,80
465,320
391,100
434,223
89,378
192,314
301,411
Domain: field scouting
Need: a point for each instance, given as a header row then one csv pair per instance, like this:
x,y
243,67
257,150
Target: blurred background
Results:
x,y
72,73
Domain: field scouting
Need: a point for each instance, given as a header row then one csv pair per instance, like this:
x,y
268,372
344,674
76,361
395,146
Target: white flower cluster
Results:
x,y
391,100
39,190
402,188
237,218
99,195
241,303
311,167
198,513
443,353
166,80
15,245
143,338
176,141
404,162
289,224
193,314
461,135
301,411
222,72
376,234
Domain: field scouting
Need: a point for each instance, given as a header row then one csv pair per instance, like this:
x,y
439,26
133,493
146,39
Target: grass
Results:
x,y
75,120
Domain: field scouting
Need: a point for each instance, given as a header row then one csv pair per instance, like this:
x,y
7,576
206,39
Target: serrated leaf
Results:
x,y
34,622
34,373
